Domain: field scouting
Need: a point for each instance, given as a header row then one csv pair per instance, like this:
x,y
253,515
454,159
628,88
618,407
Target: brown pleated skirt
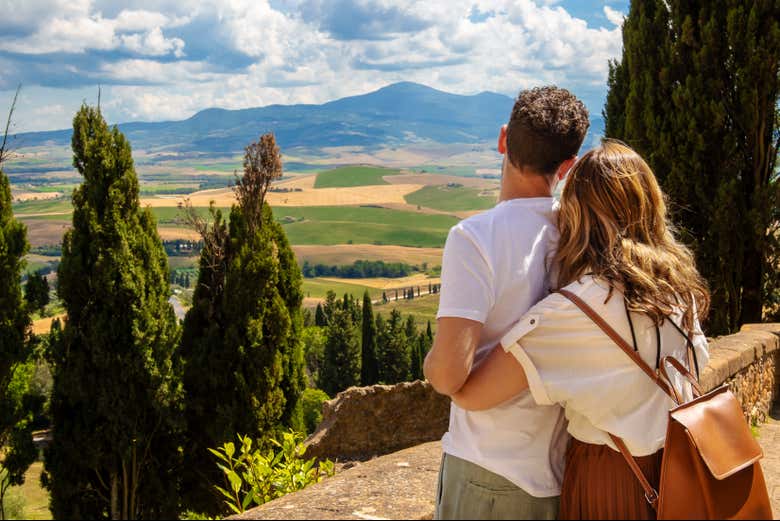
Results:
x,y
598,484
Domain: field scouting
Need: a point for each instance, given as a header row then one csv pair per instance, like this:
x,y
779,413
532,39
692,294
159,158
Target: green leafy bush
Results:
x,y
311,401
253,476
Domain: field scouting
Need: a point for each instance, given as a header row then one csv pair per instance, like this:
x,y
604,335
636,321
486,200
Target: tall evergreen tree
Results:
x,y
341,367
369,370
244,365
116,395
696,93
395,356
15,351
36,292
319,317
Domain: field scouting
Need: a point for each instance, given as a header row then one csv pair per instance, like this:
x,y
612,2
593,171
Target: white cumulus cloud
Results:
x,y
613,15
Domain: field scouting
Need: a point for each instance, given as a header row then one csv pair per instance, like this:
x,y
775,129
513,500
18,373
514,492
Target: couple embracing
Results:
x,y
543,399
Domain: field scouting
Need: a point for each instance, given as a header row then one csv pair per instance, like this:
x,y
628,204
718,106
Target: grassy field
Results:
x,y
318,288
460,171
36,498
452,199
364,225
353,176
423,308
60,205
37,262
178,262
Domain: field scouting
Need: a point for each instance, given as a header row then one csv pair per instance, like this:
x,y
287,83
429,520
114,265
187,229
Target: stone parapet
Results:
x,y
364,422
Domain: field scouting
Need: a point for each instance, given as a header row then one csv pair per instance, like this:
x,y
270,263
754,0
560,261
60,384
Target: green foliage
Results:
x,y
242,348
253,476
314,339
311,403
452,198
319,317
116,398
353,176
37,291
696,93
19,451
360,269
369,366
15,351
394,353
13,504
341,367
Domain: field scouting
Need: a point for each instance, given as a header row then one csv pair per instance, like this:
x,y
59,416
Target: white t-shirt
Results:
x,y
570,361
494,269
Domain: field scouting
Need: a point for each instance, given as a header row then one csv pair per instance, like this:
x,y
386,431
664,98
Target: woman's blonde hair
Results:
x,y
614,225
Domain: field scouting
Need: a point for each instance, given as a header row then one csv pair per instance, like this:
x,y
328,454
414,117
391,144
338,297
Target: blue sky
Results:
x,y
168,59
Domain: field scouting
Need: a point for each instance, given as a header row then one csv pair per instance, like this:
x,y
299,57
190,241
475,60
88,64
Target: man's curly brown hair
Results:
x,y
547,127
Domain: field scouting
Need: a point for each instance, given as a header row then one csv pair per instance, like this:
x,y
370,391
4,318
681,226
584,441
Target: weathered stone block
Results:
x,y
363,422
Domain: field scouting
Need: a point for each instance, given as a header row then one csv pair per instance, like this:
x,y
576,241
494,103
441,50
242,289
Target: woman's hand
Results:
x,y
498,378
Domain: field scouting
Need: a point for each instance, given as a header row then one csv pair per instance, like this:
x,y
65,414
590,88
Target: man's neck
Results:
x,y
516,184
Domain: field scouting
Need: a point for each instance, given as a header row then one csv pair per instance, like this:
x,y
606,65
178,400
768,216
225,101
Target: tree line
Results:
x,y
349,345
360,269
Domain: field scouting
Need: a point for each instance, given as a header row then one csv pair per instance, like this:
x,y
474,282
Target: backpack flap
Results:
x,y
716,426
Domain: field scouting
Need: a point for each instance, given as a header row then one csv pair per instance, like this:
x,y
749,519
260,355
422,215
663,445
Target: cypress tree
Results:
x,y
116,392
410,328
319,317
418,350
244,365
395,356
369,371
341,367
696,93
36,292
15,350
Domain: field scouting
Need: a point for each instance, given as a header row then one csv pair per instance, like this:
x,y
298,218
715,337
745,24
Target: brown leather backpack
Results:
x,y
710,467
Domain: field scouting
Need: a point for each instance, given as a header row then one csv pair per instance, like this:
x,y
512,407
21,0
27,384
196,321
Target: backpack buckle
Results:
x,y
652,497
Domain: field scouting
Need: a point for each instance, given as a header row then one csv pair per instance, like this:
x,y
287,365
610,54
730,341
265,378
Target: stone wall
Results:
x,y
363,422
748,363
372,421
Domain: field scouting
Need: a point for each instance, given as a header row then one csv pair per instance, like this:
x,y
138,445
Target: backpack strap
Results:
x,y
650,493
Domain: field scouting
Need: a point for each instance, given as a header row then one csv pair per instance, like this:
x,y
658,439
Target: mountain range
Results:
x,y
395,115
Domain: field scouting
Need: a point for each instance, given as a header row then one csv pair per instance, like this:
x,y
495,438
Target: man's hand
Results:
x,y
449,362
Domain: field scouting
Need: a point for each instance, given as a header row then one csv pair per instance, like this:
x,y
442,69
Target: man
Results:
x,y
506,462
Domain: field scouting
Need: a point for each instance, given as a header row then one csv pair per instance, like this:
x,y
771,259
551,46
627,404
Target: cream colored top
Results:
x,y
570,361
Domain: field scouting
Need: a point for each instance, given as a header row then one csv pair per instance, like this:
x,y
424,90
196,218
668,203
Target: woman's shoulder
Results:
x,y
594,291
588,287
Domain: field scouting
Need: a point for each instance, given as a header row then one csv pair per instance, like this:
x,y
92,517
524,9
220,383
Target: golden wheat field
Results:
x,y
43,326
309,196
418,279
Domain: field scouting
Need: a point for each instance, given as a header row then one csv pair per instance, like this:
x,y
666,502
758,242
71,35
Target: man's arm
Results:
x,y
449,362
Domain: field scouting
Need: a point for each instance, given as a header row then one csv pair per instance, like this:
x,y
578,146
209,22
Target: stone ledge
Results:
x,y
731,354
397,486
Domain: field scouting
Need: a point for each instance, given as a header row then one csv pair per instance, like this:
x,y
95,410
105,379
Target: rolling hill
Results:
x,y
395,115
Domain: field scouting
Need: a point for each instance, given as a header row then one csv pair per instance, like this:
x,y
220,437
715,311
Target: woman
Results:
x,y
617,252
